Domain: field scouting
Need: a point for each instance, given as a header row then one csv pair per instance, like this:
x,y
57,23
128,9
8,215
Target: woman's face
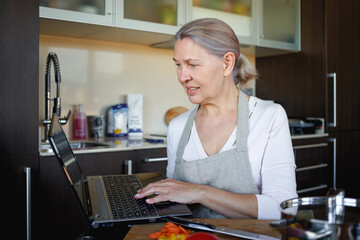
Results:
x,y
200,73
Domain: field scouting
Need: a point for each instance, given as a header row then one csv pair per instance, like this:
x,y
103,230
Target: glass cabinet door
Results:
x,y
156,11
239,14
85,11
159,16
86,6
280,23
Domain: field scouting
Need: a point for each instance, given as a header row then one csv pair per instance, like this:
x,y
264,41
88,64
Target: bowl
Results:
x,y
329,217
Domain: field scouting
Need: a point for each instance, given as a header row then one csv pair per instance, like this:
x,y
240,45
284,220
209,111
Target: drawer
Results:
x,y
105,163
151,160
313,170
311,154
311,178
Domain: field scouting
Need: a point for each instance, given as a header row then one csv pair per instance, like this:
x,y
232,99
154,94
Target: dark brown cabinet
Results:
x,y
151,160
313,170
342,57
105,163
56,209
330,41
297,81
19,95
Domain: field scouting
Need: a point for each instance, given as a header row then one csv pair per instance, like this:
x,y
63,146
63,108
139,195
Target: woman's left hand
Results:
x,y
170,190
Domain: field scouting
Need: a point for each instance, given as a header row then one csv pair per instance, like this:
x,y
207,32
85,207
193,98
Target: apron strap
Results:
x,y
185,134
242,122
241,133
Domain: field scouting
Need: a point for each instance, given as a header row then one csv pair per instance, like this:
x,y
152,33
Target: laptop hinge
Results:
x,y
87,196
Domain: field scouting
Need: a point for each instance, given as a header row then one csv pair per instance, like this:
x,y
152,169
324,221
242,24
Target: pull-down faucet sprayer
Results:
x,y
52,58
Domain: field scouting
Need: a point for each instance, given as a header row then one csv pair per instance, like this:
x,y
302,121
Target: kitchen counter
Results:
x,y
114,144
110,144
250,225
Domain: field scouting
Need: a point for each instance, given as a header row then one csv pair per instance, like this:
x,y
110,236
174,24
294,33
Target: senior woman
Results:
x,y
231,155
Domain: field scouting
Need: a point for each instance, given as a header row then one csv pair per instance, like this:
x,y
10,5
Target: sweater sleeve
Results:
x,y
278,168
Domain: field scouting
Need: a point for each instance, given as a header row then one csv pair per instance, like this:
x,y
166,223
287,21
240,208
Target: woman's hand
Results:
x,y
170,190
232,205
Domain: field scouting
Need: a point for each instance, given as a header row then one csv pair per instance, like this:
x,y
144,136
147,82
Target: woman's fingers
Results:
x,y
168,190
157,199
152,188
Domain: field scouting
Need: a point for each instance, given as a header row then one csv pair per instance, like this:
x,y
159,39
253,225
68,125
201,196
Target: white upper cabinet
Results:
x,y
269,27
99,12
280,24
241,15
162,16
132,21
264,27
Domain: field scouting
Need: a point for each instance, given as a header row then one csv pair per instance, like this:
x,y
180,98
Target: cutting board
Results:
x,y
250,225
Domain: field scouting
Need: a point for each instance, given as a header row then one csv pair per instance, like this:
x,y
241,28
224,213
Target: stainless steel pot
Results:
x,y
329,217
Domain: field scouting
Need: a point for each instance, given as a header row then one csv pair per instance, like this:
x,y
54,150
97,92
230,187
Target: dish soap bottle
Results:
x,y
79,123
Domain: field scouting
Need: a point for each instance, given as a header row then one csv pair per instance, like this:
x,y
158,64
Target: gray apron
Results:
x,y
229,170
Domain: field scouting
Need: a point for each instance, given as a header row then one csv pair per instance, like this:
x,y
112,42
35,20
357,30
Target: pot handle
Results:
x,y
335,205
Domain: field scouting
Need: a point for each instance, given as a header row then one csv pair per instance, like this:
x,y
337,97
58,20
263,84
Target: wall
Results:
x,y
99,74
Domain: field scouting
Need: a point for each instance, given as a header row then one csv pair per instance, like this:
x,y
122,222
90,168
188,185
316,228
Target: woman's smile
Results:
x,y
191,90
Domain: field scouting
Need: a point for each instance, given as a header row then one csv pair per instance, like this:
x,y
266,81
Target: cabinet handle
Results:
x,y
162,159
128,163
311,146
27,171
312,188
322,165
333,140
333,76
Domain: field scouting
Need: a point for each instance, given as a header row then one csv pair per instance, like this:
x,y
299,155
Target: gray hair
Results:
x,y
218,38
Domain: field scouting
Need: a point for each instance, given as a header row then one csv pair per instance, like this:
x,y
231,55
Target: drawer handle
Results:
x,y
27,171
312,167
312,188
334,161
128,163
162,159
333,76
311,146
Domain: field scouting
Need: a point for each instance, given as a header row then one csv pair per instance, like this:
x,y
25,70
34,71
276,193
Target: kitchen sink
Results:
x,y
78,145
87,144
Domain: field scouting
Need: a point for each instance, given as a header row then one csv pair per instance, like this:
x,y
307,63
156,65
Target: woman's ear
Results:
x,y
229,63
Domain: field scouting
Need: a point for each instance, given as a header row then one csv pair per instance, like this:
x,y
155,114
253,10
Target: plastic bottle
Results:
x,y
79,123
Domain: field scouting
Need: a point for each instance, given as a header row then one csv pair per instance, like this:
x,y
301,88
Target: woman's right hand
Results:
x,y
170,190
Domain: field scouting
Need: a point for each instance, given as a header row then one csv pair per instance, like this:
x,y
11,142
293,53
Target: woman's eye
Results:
x,y
193,65
177,64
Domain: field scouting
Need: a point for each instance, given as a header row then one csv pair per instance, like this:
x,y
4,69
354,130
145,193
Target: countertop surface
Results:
x,y
114,144
250,225
110,144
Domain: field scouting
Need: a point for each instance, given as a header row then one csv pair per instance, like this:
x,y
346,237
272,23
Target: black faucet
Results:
x,y
52,58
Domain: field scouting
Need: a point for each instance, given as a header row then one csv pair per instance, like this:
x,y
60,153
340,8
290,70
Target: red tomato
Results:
x,y
202,236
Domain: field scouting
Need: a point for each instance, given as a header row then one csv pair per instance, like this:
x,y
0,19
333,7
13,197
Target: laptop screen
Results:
x,y
67,159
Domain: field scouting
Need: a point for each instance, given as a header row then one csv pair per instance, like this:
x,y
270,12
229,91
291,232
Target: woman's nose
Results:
x,y
183,75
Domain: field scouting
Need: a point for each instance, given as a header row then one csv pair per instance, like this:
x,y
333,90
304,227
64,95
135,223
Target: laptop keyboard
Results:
x,y
121,191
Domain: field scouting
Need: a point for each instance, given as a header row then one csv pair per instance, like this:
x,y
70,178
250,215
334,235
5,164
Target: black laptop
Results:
x,y
107,200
